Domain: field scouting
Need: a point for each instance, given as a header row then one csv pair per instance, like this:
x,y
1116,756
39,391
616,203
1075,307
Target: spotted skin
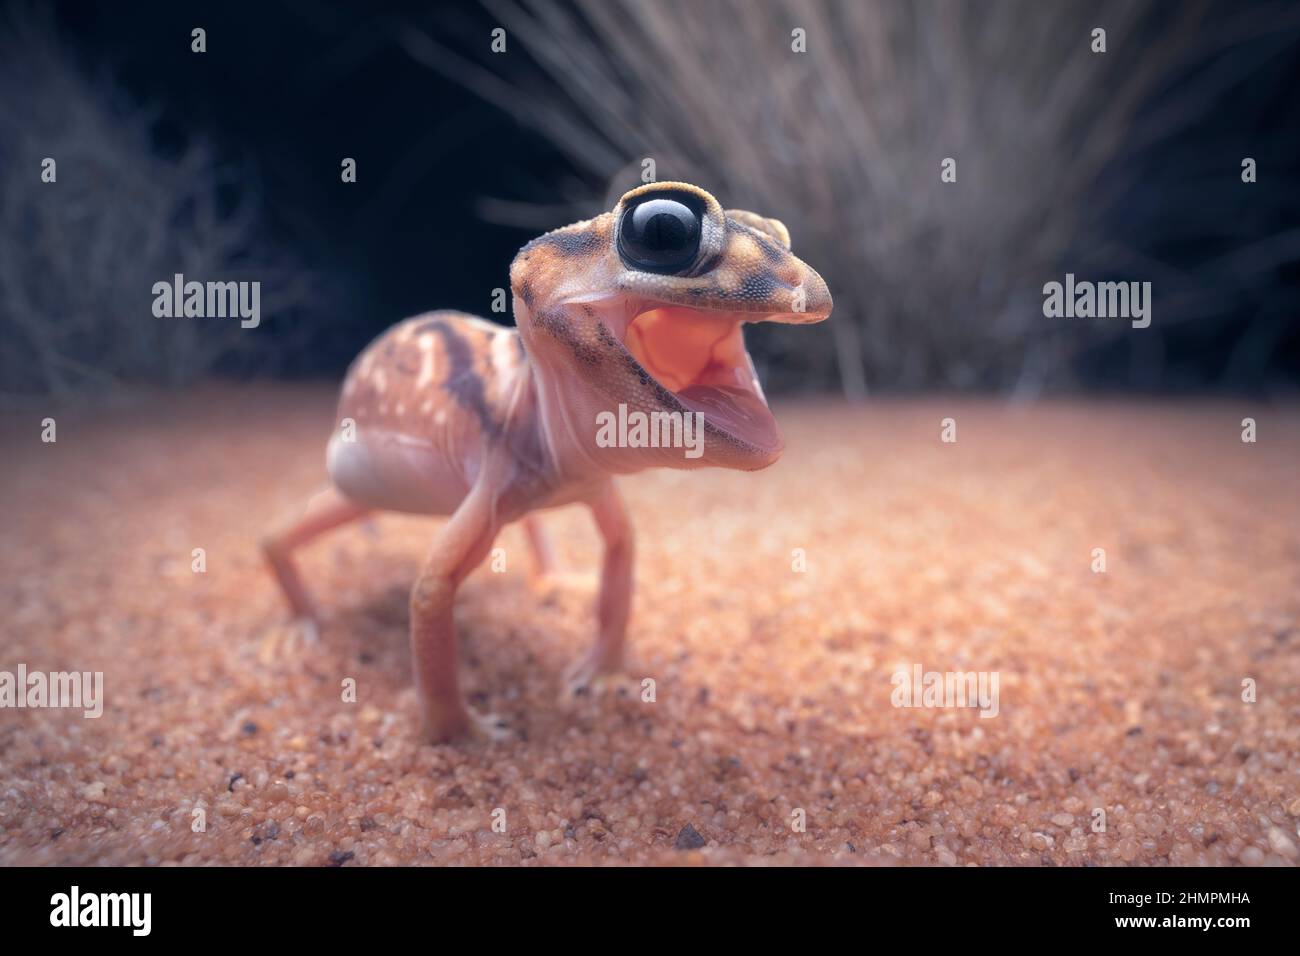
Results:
x,y
441,362
450,414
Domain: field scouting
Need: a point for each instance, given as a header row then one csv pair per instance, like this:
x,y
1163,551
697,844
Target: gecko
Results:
x,y
640,310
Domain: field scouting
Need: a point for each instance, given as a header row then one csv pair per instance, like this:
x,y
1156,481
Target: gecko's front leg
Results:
x,y
460,547
615,601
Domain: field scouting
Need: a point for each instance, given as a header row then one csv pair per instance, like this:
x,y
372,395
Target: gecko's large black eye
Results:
x,y
661,232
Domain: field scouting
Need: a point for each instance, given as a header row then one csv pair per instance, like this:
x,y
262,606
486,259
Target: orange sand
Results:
x,y
1119,691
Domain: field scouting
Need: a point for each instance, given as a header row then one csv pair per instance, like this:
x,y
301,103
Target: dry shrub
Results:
x,y
81,255
936,285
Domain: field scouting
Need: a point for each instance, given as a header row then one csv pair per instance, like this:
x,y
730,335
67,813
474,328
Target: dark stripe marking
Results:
x,y
463,383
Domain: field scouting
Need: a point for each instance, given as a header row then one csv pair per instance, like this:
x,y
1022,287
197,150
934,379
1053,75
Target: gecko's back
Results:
x,y
419,406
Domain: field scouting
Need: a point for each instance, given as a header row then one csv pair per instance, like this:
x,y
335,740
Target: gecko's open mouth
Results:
x,y
699,355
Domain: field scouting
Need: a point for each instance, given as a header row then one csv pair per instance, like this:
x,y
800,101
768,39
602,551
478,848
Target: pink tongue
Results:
x,y
735,410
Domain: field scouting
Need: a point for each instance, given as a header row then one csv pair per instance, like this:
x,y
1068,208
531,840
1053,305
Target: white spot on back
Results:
x,y
505,363
504,355
426,366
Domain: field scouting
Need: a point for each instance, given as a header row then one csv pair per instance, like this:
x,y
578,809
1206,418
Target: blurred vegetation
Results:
x,y
936,285
81,254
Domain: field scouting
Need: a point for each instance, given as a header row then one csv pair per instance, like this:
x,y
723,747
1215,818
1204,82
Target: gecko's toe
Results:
x,y
552,585
308,629
289,638
591,677
490,728
467,725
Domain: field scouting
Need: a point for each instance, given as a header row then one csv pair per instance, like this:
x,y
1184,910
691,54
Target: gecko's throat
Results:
x,y
699,355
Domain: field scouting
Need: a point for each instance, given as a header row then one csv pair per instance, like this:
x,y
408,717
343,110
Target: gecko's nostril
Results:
x,y
661,233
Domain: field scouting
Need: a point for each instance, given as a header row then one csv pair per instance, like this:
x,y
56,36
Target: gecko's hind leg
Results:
x,y
615,601
325,511
546,574
541,549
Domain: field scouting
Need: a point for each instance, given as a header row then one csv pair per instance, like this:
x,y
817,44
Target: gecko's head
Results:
x,y
645,307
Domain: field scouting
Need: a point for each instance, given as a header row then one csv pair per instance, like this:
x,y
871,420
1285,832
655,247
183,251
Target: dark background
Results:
x,y
289,87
